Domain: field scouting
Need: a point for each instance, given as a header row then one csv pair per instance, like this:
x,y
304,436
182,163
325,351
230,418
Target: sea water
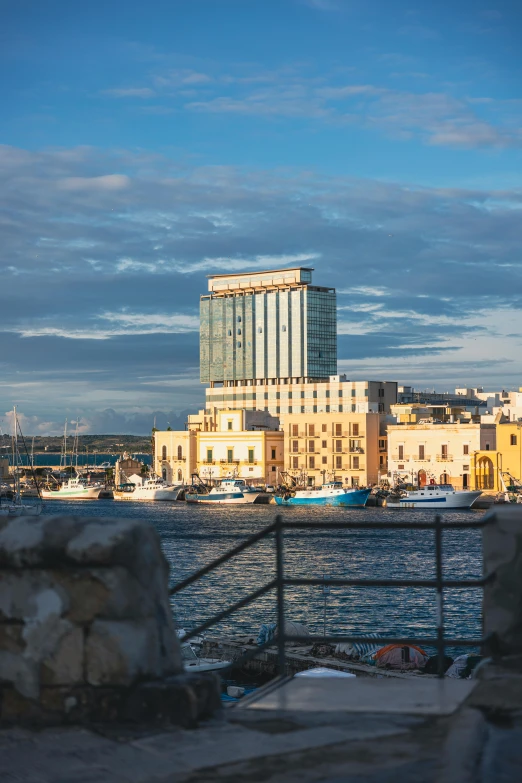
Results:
x,y
192,536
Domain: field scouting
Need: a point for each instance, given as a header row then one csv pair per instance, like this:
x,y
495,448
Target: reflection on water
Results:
x,y
191,538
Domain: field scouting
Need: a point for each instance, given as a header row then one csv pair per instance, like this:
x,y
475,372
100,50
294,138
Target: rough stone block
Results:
x,y
64,666
26,593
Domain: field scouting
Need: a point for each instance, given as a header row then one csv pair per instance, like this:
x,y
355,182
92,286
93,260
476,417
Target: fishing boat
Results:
x,y
230,490
75,488
11,504
332,493
147,488
439,496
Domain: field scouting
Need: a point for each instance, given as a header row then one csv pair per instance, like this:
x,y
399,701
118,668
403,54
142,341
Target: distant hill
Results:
x,y
103,444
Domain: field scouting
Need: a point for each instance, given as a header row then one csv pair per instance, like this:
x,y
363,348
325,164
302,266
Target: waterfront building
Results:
x,y
347,447
458,454
219,444
509,446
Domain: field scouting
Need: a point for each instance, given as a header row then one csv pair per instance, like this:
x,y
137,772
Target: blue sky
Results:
x,y
145,146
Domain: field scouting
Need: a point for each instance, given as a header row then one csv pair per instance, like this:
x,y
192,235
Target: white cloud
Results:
x,y
108,182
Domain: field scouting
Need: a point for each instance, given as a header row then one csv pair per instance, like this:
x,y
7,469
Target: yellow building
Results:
x,y
509,445
445,453
348,447
218,444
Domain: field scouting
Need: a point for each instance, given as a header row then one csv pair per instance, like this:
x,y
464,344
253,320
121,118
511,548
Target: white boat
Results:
x,y
153,488
193,663
432,496
14,506
230,490
75,488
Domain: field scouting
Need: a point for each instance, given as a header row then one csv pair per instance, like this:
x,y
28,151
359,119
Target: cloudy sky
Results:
x,y
146,145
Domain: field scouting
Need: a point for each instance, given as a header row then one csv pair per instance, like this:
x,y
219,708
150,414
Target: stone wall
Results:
x,y
86,629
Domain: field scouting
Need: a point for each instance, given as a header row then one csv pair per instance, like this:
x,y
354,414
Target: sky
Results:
x,y
144,146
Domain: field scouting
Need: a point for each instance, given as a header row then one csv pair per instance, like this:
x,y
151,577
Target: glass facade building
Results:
x,y
267,325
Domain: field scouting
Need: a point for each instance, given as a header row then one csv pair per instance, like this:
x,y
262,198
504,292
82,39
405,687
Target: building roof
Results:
x,y
264,272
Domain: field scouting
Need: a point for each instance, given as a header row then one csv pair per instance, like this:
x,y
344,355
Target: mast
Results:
x,y
15,456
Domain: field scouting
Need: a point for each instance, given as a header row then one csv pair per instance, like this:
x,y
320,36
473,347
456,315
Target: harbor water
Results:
x,y
193,536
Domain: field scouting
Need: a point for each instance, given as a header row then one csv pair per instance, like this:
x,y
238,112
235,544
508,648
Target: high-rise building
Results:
x,y
267,326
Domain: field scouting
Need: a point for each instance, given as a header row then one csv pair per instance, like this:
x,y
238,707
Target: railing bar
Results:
x,y
223,559
440,597
428,641
226,612
382,525
453,583
280,597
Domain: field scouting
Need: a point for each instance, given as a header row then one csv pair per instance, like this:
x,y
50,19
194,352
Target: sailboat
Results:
x,y
14,506
75,487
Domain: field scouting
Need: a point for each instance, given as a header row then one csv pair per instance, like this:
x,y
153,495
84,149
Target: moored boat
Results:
x,y
75,488
330,494
432,496
11,504
230,490
148,488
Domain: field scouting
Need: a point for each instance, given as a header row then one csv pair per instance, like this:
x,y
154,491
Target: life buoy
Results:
x,y
432,481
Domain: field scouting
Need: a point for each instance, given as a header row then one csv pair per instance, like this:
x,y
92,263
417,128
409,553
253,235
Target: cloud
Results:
x,y
106,182
130,92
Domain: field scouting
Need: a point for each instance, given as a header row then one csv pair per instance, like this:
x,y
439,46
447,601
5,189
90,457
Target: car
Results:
x,y
270,488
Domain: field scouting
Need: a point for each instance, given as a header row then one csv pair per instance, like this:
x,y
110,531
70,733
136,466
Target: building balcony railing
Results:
x,y
400,458
357,450
208,462
173,459
444,457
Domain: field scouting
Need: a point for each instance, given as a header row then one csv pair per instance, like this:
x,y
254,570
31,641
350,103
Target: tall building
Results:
x,y
267,326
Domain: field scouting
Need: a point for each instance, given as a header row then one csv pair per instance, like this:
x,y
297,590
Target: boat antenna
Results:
x,y
37,485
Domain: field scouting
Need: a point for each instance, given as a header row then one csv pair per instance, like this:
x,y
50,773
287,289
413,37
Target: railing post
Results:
x,y
281,662
440,597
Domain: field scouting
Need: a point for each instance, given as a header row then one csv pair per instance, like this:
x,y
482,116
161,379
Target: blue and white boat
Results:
x,y
330,494
438,496
230,490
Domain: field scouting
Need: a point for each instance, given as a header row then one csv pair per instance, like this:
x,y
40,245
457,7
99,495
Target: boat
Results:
x,y
332,493
193,663
439,496
11,504
147,488
230,490
75,488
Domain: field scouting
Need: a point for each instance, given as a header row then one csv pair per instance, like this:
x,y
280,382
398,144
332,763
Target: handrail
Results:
x,y
280,583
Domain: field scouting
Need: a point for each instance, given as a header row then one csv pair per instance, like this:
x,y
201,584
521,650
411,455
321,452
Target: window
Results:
x,y
323,427
314,395
338,429
355,430
354,407
487,446
421,452
295,462
355,461
230,332
381,407
283,328
302,395
312,462
327,392
324,444
382,445
260,330
180,475
164,452
229,425
311,445
239,331
381,460
353,392
339,445
444,451
465,449
251,456
295,430
273,454
338,462
180,452
209,455
381,392
401,452
324,460
273,468
239,344
239,319
513,440
311,429
295,446
230,455
340,392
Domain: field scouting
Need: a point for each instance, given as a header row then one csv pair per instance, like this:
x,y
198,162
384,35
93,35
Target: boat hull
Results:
x,y
457,500
89,493
20,511
352,498
166,494
218,499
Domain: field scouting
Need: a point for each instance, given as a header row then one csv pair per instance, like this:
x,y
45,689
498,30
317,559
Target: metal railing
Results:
x,y
280,582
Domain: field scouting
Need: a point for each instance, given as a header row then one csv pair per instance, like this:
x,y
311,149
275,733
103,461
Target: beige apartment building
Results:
x,y
444,453
219,444
347,447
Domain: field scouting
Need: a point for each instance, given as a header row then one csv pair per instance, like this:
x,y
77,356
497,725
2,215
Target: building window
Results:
x,y
327,392
421,452
239,331
229,425
513,440
164,452
444,451
340,408
312,462
251,456
338,462
295,430
180,475
314,395
260,330
273,454
323,427
338,429
295,446
180,452
381,460
311,429
324,460
302,395
324,444
273,468
487,446
401,452
339,445
230,455
295,462
381,407
239,344
465,449
355,430
355,463
239,319
354,408
382,445
340,392
283,328
311,445
381,392
230,332
209,455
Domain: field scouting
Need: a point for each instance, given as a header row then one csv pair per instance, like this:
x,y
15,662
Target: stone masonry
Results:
x,y
86,629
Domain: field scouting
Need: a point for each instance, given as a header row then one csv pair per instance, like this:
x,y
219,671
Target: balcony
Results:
x,y
399,458
444,457
208,462
357,450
